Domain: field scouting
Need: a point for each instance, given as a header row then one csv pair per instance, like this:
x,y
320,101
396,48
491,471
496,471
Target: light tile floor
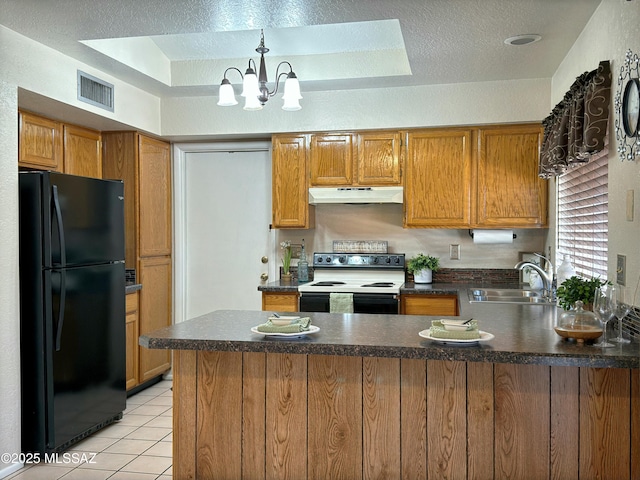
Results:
x,y
138,447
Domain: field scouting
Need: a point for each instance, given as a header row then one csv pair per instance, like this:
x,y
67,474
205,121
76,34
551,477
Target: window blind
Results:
x,y
583,207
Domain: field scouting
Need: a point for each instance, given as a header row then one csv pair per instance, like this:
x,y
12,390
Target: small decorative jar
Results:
x,y
579,324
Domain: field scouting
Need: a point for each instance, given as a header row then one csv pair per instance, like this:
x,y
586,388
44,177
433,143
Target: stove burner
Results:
x,y
378,284
326,284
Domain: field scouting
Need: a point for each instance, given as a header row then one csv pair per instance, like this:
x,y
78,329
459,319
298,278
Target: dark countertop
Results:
x,y
523,335
132,287
280,286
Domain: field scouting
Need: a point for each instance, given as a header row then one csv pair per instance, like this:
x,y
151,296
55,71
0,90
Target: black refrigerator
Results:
x,y
72,301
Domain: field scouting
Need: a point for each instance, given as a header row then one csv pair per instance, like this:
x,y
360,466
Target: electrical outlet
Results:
x,y
621,270
454,252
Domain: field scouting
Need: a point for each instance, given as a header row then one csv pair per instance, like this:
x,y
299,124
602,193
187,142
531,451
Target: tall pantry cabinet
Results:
x,y
144,164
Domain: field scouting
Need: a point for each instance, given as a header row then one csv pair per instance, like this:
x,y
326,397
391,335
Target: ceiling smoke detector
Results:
x,y
519,40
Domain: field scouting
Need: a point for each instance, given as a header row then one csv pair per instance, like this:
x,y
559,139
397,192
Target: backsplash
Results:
x,y
384,222
480,276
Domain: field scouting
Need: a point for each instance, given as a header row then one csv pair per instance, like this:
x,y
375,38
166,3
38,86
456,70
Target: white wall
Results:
x,y
612,30
9,293
42,70
421,106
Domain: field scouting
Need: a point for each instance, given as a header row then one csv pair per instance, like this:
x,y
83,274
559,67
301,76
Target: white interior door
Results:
x,y
226,215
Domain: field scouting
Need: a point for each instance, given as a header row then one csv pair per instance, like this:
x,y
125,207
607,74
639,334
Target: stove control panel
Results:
x,y
358,260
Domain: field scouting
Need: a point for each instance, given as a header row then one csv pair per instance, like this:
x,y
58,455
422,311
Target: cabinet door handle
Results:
x,y
264,276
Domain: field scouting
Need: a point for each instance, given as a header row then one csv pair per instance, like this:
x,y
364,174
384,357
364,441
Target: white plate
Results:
x,y
484,337
312,329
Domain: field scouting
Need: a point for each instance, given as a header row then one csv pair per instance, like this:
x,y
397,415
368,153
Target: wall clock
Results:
x,y
627,105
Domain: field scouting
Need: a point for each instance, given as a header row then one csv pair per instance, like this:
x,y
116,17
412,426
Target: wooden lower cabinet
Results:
x,y
155,313
293,416
131,326
429,305
280,301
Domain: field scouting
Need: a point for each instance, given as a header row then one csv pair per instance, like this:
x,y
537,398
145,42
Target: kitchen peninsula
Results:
x,y
367,397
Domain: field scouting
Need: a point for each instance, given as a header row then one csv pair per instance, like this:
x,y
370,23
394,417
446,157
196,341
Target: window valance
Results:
x,y
577,127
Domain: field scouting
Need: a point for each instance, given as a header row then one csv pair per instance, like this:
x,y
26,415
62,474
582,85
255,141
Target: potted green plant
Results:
x,y
422,266
286,260
576,288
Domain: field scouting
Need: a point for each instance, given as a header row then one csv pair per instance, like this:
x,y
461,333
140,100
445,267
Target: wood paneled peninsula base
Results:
x,y
366,397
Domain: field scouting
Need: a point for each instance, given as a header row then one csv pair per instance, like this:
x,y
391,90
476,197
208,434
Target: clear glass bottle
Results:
x,y
303,265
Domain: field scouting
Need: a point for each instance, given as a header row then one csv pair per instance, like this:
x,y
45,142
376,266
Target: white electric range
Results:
x,y
374,281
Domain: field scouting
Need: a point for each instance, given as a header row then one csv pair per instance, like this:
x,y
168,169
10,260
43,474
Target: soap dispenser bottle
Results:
x,y
565,270
303,265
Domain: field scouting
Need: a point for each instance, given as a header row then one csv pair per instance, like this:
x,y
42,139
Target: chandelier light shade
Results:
x,y
291,95
254,87
226,96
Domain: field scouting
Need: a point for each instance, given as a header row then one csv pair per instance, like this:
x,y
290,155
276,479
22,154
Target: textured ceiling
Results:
x,y
332,44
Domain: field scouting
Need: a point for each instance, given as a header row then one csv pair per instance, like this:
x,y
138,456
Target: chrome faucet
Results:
x,y
548,279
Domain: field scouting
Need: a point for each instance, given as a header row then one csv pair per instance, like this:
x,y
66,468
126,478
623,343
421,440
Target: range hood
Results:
x,y
355,195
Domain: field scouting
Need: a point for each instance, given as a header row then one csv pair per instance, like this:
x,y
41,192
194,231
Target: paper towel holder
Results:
x,y
471,234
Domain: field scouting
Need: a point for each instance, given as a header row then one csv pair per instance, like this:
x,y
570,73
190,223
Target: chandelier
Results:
x,y
254,88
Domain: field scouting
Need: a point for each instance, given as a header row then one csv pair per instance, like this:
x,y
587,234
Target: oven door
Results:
x,y
362,303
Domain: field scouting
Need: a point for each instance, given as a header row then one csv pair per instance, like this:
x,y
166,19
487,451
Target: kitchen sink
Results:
x,y
504,292
507,295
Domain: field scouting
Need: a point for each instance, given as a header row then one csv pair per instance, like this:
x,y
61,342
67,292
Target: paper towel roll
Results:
x,y
482,237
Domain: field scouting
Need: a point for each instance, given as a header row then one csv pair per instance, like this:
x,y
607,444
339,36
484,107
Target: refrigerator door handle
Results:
x,y
58,212
63,295
63,264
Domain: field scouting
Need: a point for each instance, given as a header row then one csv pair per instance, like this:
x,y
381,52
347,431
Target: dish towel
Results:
x,y
298,325
341,303
438,331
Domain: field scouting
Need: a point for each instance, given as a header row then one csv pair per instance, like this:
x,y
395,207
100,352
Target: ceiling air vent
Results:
x,y
94,91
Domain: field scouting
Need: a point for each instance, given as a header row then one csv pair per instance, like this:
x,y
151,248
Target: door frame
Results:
x,y
180,152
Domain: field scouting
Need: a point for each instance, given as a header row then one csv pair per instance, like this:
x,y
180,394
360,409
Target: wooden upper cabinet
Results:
x,y
438,184
510,193
40,142
290,197
154,184
82,152
331,159
379,159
